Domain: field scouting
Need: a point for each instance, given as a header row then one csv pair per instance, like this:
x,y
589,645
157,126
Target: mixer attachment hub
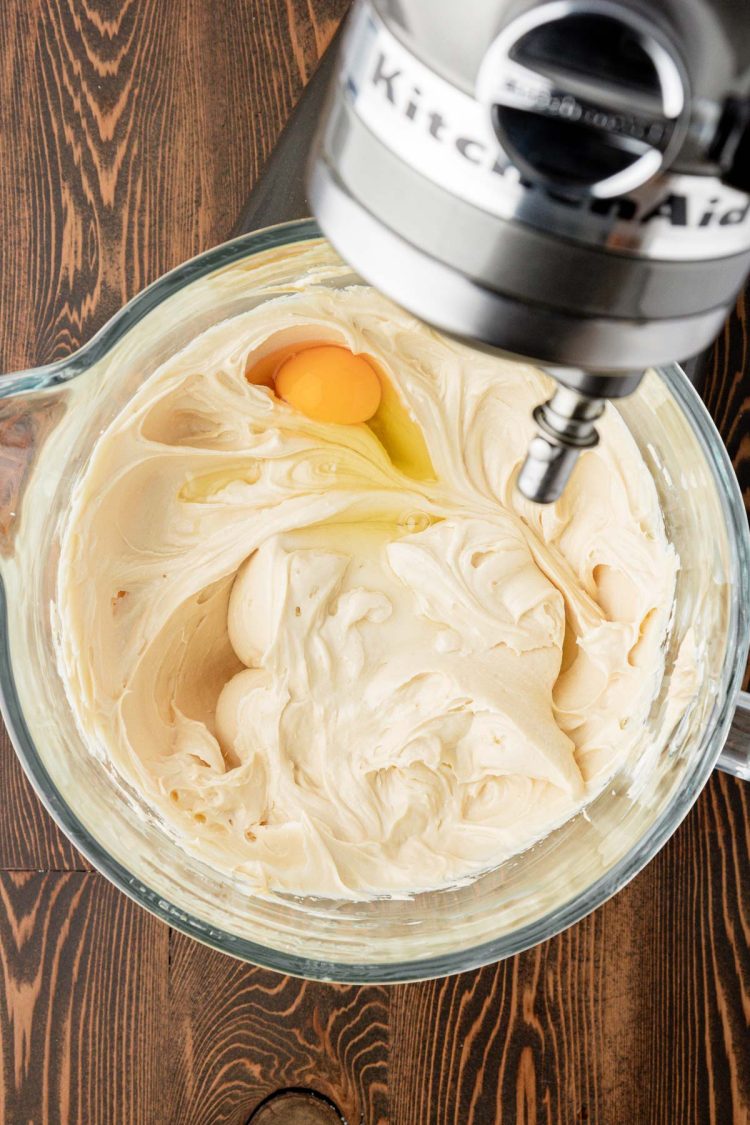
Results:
x,y
565,428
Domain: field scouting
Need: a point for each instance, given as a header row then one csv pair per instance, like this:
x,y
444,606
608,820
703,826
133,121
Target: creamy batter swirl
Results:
x,y
352,660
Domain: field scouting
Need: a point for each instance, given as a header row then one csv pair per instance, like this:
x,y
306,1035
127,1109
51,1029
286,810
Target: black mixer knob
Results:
x,y
586,98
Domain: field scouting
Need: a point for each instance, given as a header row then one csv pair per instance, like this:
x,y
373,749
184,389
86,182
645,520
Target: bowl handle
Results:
x,y
735,757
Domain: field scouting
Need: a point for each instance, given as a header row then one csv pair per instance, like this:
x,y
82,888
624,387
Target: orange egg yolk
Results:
x,y
329,384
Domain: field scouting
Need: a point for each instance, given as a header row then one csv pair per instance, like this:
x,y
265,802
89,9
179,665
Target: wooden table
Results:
x,y
130,133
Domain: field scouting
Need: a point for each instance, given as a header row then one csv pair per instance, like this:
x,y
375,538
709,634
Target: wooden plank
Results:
x,y
29,838
131,134
726,393
84,1003
727,390
241,1033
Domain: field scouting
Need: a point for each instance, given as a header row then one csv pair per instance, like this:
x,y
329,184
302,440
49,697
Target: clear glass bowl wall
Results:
x,y
59,411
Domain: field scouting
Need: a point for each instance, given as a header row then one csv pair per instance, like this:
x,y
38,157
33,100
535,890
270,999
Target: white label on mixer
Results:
x,y
446,135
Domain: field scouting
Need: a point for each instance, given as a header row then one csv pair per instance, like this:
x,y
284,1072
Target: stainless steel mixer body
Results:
x,y
567,181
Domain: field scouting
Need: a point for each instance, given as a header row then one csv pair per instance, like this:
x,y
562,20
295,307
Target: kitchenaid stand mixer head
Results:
x,y
567,181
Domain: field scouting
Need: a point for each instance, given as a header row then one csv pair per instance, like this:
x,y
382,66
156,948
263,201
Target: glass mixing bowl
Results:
x,y
49,420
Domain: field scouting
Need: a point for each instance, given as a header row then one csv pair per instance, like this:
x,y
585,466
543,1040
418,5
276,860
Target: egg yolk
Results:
x,y
329,383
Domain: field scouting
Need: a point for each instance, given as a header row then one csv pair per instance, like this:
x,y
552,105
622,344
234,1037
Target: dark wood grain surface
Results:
x,y
130,134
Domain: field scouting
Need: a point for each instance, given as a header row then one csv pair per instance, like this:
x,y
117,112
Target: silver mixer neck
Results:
x,y
565,428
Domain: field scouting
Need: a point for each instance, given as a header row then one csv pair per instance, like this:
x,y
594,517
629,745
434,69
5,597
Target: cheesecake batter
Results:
x,y
350,660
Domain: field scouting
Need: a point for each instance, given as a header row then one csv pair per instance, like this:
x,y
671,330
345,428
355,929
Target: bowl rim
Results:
x,y
463,959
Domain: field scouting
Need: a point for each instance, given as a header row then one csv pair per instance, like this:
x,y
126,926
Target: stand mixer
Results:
x,y
567,181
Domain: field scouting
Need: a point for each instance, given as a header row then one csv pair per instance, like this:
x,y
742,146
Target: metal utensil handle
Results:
x,y
735,757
